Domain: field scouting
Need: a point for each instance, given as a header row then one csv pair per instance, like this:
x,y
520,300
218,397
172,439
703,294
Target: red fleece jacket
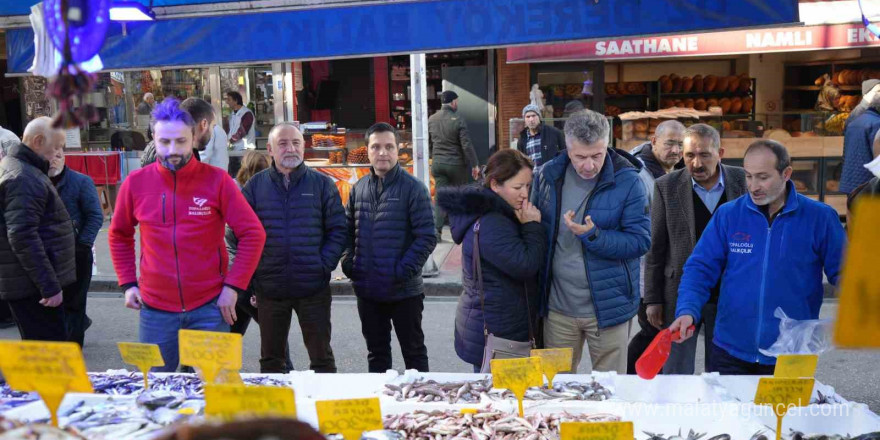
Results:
x,y
182,217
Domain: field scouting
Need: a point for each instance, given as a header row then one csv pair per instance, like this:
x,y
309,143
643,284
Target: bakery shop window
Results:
x,y
567,92
805,175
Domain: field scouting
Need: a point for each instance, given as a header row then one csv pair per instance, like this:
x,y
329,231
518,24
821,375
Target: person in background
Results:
x,y
594,209
246,306
685,201
80,197
390,236
658,156
37,257
512,245
858,137
8,139
539,141
305,225
216,151
241,123
454,160
181,207
147,104
769,251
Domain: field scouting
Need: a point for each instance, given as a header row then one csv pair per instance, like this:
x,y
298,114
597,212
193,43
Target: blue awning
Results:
x,y
411,27
23,7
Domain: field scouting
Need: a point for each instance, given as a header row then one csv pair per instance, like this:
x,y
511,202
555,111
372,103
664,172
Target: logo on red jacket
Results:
x,y
741,243
200,208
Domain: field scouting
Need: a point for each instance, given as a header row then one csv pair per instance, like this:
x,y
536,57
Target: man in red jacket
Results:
x,y
181,206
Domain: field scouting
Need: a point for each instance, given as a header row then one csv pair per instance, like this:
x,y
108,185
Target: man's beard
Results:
x,y
205,140
291,162
167,162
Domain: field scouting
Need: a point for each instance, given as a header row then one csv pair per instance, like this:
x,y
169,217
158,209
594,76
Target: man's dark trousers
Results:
x,y
75,295
37,322
406,316
724,363
313,313
447,175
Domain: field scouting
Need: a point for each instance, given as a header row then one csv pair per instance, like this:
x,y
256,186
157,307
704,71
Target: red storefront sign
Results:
x,y
837,36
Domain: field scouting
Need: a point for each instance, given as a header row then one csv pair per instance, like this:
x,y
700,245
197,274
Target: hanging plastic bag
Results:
x,y
811,336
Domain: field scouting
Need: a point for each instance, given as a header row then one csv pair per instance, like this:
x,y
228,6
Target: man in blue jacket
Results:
x,y
858,136
769,250
80,198
391,235
302,213
593,206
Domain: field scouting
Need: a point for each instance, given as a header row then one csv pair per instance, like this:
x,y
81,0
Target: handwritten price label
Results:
x,y
50,368
229,401
349,417
210,351
783,394
596,431
857,325
517,375
142,356
796,365
554,360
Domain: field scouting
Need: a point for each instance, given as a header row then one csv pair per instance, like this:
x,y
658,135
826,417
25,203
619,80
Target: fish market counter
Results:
x,y
454,405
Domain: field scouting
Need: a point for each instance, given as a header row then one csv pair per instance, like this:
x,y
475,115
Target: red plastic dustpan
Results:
x,y
655,356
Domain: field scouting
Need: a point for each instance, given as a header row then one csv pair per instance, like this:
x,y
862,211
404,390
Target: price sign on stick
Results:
x,y
349,417
210,352
229,401
517,375
783,394
857,325
596,431
50,368
796,365
554,360
142,356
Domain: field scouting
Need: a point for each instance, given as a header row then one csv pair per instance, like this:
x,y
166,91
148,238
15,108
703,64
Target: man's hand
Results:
x,y
226,302
475,173
576,228
54,301
683,326
133,298
655,315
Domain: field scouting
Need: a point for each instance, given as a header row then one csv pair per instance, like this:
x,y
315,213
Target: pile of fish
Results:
x,y
473,391
10,398
189,385
484,425
797,435
691,435
15,430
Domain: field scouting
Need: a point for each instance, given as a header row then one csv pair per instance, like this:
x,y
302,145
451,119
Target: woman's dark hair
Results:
x,y
236,96
504,165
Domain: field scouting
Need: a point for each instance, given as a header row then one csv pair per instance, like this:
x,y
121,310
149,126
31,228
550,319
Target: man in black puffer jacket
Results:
x,y
391,235
36,235
302,213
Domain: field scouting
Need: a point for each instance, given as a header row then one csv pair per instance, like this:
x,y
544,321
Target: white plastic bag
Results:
x,y
811,336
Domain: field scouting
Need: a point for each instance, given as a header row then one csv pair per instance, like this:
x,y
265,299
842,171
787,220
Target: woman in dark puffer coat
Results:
x,y
512,248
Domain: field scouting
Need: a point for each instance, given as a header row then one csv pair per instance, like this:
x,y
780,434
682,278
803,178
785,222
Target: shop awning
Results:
x,y
409,27
23,7
786,39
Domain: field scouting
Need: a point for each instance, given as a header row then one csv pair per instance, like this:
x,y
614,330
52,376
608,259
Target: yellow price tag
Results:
x,y
783,394
554,360
142,356
517,375
50,368
229,401
596,431
229,377
796,365
857,325
210,352
349,417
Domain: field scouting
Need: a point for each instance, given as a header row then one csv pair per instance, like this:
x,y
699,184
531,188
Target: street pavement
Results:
x,y
853,373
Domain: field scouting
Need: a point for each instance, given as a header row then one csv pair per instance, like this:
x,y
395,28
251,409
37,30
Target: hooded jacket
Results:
x,y
80,197
181,216
762,266
36,234
622,233
511,254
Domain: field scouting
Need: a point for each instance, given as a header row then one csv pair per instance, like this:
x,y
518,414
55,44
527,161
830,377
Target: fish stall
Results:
x,y
433,406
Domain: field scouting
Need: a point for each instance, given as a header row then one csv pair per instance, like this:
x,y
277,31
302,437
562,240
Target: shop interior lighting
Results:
x,y
130,11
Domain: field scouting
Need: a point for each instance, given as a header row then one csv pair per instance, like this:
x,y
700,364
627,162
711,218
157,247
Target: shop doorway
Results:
x,y
471,85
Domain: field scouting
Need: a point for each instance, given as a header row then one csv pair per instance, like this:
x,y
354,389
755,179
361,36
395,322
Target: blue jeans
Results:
x,y
161,327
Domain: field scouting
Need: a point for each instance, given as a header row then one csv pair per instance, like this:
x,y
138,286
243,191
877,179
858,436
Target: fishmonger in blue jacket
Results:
x,y
769,250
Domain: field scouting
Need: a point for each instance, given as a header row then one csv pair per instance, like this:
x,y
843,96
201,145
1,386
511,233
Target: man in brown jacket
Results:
x,y
451,149
684,202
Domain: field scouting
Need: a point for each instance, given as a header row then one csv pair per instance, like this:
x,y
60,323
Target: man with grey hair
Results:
x,y
306,232
36,235
593,207
684,202
147,104
539,141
